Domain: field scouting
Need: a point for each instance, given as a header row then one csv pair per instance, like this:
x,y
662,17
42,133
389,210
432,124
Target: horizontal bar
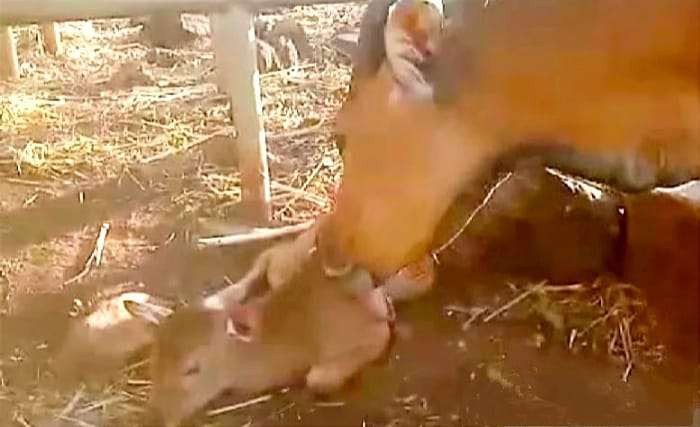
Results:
x,y
17,12
269,4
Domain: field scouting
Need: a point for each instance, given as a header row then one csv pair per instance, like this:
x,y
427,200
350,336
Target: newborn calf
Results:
x,y
310,329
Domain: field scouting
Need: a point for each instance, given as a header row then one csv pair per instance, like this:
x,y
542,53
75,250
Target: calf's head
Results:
x,y
270,341
187,363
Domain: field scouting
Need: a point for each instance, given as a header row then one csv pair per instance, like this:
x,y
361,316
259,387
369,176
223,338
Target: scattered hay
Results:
x,y
605,315
112,102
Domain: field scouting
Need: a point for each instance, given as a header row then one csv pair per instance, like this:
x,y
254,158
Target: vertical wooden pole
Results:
x,y
9,64
236,58
165,29
52,38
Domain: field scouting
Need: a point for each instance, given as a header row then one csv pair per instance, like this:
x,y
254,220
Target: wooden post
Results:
x,y
52,38
165,29
236,59
9,65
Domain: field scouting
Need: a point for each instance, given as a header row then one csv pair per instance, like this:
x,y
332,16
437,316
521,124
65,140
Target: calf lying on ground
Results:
x,y
99,344
311,329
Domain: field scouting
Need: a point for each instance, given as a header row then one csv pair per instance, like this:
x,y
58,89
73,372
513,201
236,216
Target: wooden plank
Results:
x,y
17,12
268,4
235,53
346,43
9,64
52,38
37,11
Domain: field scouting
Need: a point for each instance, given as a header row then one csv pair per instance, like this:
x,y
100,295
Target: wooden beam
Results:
x,y
17,12
254,235
37,11
9,65
235,53
52,38
269,4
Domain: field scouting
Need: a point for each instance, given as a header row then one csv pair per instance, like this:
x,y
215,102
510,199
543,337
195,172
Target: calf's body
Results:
x,y
310,329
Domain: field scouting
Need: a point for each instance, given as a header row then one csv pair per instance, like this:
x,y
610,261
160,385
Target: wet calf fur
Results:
x,y
311,329
597,87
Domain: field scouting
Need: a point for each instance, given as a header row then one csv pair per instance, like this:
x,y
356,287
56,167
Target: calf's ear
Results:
x,y
243,322
154,314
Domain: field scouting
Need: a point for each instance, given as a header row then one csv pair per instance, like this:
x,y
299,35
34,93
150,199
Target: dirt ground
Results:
x,y
114,131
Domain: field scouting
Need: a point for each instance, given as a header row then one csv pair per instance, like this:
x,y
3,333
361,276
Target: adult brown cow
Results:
x,y
602,88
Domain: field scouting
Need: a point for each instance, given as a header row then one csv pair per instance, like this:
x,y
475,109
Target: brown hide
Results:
x,y
663,258
542,226
615,83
